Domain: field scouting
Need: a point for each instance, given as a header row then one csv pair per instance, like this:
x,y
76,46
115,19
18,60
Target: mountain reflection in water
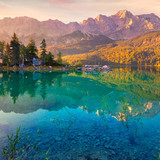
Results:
x,y
135,91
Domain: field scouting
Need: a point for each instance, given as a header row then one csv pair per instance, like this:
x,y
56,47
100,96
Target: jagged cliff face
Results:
x,y
122,25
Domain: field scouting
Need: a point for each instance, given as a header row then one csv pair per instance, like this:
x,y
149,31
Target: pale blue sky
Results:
x,y
74,10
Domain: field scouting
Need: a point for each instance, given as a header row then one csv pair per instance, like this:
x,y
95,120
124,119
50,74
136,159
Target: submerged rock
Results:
x,y
107,146
58,138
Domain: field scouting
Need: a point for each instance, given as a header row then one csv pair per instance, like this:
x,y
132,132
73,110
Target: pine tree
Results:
x,y
49,59
31,51
43,51
6,55
23,50
2,46
59,58
15,52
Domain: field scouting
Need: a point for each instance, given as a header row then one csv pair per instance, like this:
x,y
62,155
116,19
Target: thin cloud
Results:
x,y
67,5
62,2
4,9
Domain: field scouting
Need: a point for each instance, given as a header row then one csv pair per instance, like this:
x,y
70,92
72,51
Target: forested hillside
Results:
x,y
88,43
142,50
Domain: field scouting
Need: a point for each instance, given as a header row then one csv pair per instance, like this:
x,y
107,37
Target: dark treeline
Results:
x,y
16,53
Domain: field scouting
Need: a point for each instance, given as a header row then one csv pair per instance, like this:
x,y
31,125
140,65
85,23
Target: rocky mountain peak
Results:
x,y
88,21
124,14
150,17
101,18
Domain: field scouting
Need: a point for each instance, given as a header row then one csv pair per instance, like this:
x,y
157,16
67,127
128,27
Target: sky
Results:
x,y
74,10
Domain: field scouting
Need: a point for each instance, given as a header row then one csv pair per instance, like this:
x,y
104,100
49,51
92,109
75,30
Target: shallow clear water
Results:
x,y
95,115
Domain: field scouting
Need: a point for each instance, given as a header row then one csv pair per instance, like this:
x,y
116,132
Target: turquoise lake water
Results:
x,y
83,115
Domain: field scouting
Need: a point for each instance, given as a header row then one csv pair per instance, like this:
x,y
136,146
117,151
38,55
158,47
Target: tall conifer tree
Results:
x,y
43,51
31,51
14,50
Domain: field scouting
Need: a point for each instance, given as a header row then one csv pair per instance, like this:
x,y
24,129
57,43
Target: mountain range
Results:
x,y
122,25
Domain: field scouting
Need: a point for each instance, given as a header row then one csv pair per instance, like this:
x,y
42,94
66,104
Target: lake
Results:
x,y
83,115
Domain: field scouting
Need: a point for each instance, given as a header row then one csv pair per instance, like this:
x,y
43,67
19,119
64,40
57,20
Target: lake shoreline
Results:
x,y
32,68
73,68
